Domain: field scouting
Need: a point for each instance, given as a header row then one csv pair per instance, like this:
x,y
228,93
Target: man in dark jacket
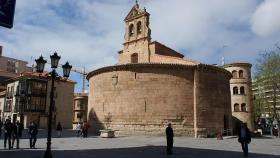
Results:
x,y
169,138
8,127
1,124
32,131
244,137
17,132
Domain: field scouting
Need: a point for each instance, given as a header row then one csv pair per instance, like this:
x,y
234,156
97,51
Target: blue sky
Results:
x,y
88,33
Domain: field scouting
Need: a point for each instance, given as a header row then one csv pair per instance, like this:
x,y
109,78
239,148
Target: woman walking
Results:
x,y
78,129
59,129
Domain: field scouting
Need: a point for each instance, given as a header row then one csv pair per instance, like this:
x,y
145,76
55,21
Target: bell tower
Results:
x,y
137,25
137,37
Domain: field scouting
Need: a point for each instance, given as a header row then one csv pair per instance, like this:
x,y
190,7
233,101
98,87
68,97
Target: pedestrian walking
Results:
x,y
8,127
85,128
1,125
244,138
169,138
17,133
78,129
32,131
278,132
59,129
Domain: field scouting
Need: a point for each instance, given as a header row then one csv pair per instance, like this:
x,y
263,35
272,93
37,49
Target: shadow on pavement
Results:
x,y
263,137
135,152
42,133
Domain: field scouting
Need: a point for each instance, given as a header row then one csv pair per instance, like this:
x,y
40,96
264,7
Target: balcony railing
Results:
x,y
7,108
9,95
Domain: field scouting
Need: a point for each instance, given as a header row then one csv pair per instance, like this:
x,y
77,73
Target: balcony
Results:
x,y
9,95
7,108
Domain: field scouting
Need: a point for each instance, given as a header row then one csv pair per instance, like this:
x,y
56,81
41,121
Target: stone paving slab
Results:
x,y
144,146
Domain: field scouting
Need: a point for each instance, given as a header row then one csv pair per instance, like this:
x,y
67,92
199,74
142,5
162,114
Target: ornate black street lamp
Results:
x,y
40,64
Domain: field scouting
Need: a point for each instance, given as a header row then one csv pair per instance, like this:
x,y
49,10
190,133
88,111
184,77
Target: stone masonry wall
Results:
x,y
143,100
212,102
245,81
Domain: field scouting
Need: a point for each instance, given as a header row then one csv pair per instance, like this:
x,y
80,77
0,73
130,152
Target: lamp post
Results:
x,y
40,64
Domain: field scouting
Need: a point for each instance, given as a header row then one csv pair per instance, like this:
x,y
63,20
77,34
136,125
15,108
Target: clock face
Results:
x,y
7,9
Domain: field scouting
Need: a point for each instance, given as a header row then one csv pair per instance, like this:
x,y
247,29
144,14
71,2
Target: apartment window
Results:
x,y
8,105
242,90
36,104
38,87
17,90
134,58
234,74
243,107
79,115
81,104
8,94
11,66
235,90
236,107
12,90
241,74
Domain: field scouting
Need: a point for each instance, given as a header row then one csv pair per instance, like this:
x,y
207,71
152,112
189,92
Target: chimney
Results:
x,y
1,51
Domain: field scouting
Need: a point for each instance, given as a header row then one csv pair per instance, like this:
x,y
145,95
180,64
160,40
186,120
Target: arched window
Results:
x,y
235,90
241,74
243,107
134,58
242,90
234,74
236,107
139,27
131,30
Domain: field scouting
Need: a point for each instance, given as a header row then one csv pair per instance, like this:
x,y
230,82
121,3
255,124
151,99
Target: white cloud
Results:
x,y
90,32
202,27
266,19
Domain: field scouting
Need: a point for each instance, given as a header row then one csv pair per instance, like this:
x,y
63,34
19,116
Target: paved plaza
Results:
x,y
144,146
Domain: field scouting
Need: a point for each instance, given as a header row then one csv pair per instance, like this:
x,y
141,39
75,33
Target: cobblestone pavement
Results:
x,y
144,146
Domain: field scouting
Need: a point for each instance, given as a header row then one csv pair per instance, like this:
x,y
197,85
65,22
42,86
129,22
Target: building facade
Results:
x,y
27,99
2,102
80,108
265,94
153,84
9,68
241,95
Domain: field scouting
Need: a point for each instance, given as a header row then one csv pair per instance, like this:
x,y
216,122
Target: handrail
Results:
x,y
227,132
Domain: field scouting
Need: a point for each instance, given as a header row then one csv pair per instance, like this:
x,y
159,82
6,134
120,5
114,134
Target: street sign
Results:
x,y
7,10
